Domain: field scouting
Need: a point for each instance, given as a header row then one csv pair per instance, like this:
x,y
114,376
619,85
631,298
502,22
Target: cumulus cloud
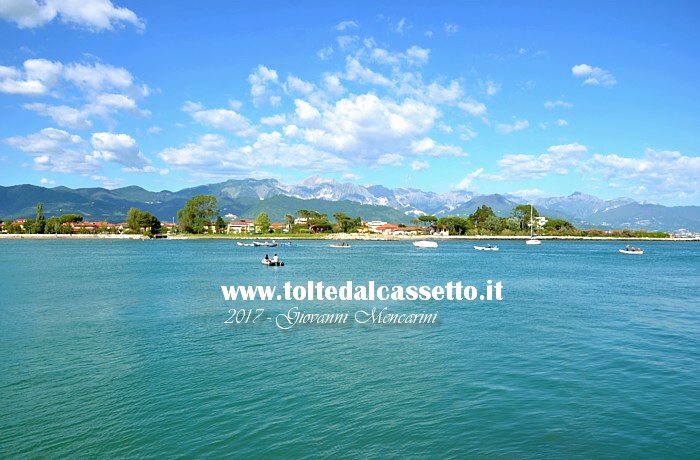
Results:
x,y
559,103
226,119
559,159
468,180
59,151
346,25
451,29
119,148
100,89
473,108
419,165
262,82
517,125
658,173
56,150
95,15
593,75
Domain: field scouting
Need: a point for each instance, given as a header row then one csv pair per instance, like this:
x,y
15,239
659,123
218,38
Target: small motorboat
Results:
x,y
425,244
245,244
632,251
340,245
272,263
488,247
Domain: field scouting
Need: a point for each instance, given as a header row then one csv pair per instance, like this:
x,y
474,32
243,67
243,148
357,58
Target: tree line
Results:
x,y
201,215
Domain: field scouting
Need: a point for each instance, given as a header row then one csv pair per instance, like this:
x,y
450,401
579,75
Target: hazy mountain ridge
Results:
x,y
245,198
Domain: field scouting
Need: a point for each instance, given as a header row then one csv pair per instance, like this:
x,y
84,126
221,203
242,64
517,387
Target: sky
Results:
x,y
531,98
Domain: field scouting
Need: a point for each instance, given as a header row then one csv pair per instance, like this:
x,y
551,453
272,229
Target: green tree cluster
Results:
x,y
198,213
142,222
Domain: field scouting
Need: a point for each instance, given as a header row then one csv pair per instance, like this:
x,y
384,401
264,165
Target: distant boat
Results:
x,y
266,244
533,238
245,244
488,247
341,245
632,251
425,244
272,263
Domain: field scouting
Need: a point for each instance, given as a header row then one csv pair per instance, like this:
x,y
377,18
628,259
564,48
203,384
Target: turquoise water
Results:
x,y
118,349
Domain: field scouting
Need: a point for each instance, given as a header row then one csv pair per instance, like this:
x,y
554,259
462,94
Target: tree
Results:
x,y
198,212
455,225
347,224
69,218
132,219
262,222
39,222
289,221
478,218
522,213
427,220
142,222
220,224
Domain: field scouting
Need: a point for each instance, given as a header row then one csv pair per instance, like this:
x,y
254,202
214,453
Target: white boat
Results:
x,y
340,245
425,244
632,251
245,244
533,238
488,247
272,263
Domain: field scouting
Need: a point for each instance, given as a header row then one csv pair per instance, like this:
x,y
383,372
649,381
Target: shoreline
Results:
x,y
336,237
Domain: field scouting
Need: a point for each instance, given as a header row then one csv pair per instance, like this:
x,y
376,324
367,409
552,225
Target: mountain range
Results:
x,y
246,198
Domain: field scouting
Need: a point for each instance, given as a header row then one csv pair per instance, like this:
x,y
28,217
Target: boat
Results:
x,y
272,263
341,245
266,244
631,250
533,238
425,244
488,247
245,244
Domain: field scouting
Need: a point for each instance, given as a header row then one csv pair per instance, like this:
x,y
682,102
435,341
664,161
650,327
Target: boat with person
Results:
x,y
425,244
274,262
340,245
488,247
631,250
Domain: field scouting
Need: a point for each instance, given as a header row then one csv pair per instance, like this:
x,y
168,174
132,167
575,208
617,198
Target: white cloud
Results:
x,y
119,148
492,88
473,108
354,71
419,165
593,75
102,89
467,182
559,159
451,28
345,25
57,151
94,15
325,53
518,125
45,181
230,120
561,122
657,174
559,103
439,94
260,81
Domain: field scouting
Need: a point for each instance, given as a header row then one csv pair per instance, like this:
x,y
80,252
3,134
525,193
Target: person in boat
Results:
x,y
275,259
267,258
627,248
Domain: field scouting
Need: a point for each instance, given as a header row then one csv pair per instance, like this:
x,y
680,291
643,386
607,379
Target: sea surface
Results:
x,y
120,349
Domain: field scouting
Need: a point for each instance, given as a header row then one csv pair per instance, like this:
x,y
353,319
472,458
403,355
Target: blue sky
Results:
x,y
535,98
